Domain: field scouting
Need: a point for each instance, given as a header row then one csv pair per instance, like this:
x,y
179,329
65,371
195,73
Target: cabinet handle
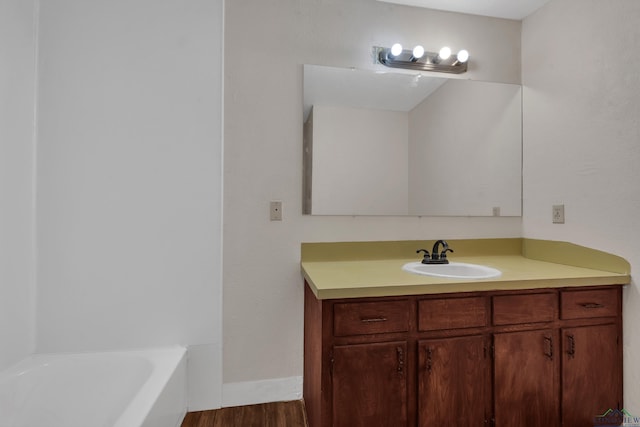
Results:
x,y
572,346
400,354
549,352
332,362
592,305
373,319
429,358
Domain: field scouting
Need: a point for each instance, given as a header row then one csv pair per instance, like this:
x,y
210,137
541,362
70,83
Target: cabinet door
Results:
x,y
591,373
453,382
525,379
370,385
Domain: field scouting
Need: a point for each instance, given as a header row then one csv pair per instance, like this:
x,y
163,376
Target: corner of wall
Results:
x,y
262,391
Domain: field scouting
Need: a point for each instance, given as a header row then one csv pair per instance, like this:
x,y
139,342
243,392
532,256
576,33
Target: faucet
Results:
x,y
436,256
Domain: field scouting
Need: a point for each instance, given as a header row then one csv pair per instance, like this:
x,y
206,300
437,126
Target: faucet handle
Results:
x,y
443,254
426,254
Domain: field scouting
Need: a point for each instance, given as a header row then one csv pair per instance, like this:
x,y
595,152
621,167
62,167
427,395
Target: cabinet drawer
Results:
x,y
530,308
452,313
360,318
585,304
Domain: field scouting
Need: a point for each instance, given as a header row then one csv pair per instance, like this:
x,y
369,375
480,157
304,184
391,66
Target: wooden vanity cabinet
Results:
x,y
369,384
549,357
453,370
525,359
526,379
592,354
453,381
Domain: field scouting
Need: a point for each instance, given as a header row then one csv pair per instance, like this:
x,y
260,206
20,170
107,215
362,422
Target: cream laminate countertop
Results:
x,y
356,278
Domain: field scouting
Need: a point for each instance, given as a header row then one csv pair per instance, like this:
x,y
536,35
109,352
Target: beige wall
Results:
x,y
266,44
582,138
360,161
465,150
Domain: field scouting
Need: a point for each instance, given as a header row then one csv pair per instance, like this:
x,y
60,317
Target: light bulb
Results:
x,y
418,51
444,53
463,56
396,49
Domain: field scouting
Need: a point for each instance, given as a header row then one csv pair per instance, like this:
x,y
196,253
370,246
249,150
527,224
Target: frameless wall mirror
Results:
x,y
409,144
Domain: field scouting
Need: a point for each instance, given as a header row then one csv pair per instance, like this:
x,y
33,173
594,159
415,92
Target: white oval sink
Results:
x,y
453,270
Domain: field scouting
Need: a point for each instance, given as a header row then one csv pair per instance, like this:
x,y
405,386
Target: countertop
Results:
x,y
354,270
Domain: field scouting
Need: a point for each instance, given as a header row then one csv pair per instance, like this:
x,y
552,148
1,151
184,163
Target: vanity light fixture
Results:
x,y
396,49
461,57
417,59
443,55
417,53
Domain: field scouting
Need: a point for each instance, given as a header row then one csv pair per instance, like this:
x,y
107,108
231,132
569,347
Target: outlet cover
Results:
x,y
557,215
275,211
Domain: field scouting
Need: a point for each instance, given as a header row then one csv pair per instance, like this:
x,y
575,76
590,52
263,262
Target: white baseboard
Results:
x,y
263,391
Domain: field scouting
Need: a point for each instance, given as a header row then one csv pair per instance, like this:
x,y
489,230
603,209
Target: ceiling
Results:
x,y
509,9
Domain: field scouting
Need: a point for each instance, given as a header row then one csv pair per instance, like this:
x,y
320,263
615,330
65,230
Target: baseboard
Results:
x,y
263,391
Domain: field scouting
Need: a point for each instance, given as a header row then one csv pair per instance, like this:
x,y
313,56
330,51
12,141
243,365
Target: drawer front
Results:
x,y
362,318
530,308
586,304
452,313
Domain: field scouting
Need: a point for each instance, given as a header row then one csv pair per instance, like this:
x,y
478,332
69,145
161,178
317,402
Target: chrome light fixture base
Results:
x,y
430,61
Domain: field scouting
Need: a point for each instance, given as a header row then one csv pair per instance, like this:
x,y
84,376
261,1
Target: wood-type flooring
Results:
x,y
279,414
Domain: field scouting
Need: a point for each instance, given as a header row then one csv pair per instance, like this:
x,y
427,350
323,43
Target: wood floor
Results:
x,y
280,414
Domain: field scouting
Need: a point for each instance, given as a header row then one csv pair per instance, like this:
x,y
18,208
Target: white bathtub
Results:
x,y
142,388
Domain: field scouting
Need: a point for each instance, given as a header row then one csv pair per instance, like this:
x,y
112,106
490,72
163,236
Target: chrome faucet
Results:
x,y
437,257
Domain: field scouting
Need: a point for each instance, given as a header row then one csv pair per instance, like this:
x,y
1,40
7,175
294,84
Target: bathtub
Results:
x,y
142,388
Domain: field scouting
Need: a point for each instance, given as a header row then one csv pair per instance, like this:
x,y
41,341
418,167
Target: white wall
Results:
x,y
17,249
360,161
581,138
129,179
266,44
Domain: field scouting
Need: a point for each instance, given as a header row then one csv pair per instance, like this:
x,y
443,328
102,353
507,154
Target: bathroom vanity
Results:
x,y
541,345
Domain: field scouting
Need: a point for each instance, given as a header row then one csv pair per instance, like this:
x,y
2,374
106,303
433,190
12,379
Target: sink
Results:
x,y
453,270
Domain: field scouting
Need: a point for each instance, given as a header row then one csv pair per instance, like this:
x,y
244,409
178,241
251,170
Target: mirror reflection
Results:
x,y
410,144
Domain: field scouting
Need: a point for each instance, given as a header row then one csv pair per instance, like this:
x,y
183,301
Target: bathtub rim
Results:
x,y
165,362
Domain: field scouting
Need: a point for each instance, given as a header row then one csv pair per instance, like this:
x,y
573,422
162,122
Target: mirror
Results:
x,y
392,143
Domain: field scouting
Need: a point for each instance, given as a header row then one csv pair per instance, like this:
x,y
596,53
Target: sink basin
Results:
x,y
453,270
